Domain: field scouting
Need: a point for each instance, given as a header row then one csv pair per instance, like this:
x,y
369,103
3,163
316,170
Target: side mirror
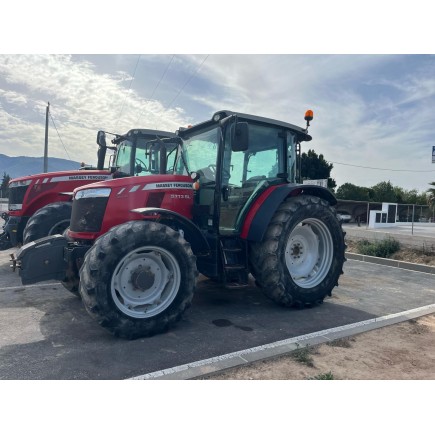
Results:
x,y
101,139
239,136
101,153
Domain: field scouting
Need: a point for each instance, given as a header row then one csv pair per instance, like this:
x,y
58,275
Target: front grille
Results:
x,y
16,194
87,214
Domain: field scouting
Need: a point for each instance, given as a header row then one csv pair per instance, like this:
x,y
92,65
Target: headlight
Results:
x,y
20,183
93,193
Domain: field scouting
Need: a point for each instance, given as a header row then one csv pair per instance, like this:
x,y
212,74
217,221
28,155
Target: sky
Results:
x,y
373,117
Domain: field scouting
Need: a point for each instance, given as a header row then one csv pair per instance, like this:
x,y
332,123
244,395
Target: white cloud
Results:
x,y
367,111
82,102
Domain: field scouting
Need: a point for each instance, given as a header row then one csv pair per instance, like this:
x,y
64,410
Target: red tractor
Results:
x,y
40,205
229,208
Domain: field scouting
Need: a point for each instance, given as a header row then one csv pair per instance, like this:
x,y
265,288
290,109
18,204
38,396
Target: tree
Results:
x,y
384,192
4,189
351,192
431,195
412,196
315,167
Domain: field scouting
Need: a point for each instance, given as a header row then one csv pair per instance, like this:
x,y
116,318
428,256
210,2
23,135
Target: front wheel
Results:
x,y
49,220
301,257
138,279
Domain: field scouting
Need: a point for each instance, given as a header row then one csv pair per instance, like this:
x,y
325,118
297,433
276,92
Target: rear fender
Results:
x,y
261,212
191,232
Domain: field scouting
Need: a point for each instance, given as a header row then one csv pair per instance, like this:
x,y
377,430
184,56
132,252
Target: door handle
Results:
x,y
225,193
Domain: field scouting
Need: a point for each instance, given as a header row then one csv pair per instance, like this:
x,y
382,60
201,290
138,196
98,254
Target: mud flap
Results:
x,y
41,260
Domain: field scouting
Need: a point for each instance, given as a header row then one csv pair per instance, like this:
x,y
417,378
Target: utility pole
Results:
x,y
46,139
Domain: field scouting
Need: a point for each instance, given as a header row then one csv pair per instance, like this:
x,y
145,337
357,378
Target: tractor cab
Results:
x,y
232,159
137,152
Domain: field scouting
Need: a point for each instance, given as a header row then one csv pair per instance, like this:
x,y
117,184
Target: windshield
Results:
x,y
200,153
146,159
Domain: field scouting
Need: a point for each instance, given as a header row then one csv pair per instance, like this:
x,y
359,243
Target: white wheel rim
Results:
x,y
145,282
309,253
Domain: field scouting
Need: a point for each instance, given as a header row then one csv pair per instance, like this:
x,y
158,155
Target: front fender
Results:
x,y
192,234
262,210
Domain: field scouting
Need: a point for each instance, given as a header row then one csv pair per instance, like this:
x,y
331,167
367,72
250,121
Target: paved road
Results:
x,y
46,333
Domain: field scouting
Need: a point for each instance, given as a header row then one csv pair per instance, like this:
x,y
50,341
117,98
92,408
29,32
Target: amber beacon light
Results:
x,y
309,115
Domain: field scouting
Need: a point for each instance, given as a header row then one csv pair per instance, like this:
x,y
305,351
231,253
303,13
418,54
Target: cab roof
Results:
x,y
144,132
301,133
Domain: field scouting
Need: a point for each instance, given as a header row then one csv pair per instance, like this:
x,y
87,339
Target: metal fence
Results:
x,y
403,213
415,213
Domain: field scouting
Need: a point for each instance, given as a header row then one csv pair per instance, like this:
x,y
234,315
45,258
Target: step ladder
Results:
x,y
234,255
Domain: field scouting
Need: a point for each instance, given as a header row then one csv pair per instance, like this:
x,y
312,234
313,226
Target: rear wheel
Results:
x,y
302,253
52,219
138,279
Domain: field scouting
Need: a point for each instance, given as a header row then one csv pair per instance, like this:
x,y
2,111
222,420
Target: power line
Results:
x,y
128,90
158,84
51,116
380,169
163,75
188,80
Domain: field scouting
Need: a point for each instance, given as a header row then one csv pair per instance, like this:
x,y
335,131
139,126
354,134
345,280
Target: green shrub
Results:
x,y
322,377
384,248
303,355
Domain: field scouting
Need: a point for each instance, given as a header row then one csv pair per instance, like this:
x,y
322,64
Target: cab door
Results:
x,y
247,173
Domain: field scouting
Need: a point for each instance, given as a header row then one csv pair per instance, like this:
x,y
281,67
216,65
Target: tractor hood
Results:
x,y
124,186
54,177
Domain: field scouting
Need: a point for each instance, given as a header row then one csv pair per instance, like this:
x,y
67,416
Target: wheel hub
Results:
x,y
296,250
142,278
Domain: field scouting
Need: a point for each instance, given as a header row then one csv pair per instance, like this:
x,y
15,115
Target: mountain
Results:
x,y
20,166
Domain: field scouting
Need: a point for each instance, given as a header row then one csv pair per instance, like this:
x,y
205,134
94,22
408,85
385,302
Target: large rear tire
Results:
x,y
138,279
49,220
302,253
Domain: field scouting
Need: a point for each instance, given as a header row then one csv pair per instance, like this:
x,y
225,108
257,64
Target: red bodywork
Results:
x,y
169,192
51,187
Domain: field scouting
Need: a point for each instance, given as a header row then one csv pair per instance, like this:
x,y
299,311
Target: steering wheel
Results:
x,y
212,168
141,164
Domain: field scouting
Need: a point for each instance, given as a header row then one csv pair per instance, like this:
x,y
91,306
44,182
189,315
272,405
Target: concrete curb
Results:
x,y
391,263
236,359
